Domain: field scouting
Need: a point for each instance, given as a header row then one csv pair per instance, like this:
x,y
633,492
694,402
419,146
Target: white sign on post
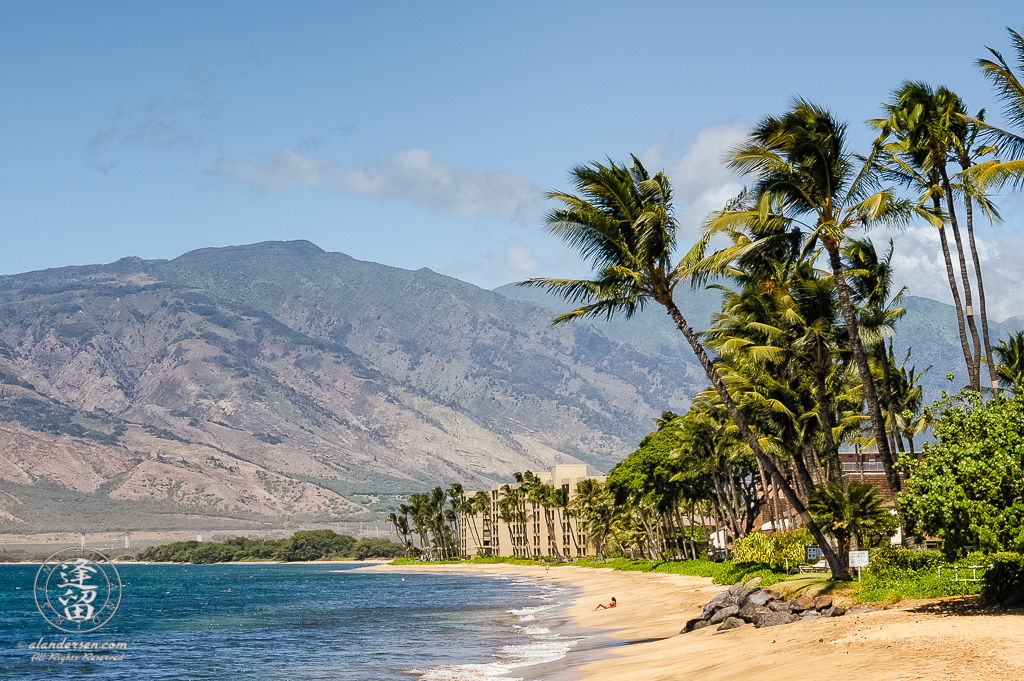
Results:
x,y
858,559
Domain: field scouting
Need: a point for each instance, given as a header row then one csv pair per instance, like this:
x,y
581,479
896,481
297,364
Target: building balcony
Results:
x,y
868,467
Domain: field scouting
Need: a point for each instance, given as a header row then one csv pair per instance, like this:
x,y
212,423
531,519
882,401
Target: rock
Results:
x,y
715,602
801,604
822,603
725,612
737,589
778,606
731,623
834,611
691,625
809,616
752,584
861,610
891,606
752,613
773,619
761,597
700,625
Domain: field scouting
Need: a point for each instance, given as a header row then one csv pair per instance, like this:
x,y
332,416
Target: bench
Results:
x,y
820,566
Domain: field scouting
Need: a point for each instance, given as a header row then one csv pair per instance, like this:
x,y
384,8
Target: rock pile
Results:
x,y
745,603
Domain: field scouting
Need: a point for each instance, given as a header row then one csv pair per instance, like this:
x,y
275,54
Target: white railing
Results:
x,y
868,467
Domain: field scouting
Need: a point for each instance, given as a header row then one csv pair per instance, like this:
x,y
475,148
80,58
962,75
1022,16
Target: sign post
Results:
x,y
859,559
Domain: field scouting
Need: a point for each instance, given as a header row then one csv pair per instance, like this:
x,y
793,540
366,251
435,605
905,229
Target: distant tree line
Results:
x,y
303,545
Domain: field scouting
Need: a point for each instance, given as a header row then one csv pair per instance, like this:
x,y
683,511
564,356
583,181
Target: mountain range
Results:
x,y
275,383
276,380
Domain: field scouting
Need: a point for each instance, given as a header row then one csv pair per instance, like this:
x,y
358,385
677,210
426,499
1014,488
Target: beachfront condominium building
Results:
x,y
519,523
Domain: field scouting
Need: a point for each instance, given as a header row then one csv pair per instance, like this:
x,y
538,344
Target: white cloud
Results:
x,y
516,261
701,181
519,263
413,175
287,170
917,259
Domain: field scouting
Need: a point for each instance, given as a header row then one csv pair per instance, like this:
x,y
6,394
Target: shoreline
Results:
x,y
925,639
366,562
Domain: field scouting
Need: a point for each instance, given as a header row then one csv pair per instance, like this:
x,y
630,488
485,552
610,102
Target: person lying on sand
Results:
x,y
602,606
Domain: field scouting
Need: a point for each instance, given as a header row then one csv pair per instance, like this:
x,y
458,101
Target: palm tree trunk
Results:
x,y
974,366
883,358
867,380
969,210
802,474
860,461
729,505
767,496
835,563
955,290
813,466
910,443
834,465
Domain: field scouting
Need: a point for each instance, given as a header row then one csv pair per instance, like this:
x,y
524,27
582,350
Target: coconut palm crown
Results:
x,y
622,223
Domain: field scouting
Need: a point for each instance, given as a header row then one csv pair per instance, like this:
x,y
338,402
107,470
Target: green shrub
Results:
x,y
773,548
896,573
969,491
1004,582
899,584
889,561
589,561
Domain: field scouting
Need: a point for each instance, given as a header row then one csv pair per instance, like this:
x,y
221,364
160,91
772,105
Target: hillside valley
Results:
x,y
273,382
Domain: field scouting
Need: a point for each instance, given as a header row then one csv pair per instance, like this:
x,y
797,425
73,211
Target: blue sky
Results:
x,y
424,134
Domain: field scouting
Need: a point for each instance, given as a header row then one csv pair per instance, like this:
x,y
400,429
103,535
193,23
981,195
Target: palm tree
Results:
x,y
480,504
459,505
508,514
908,397
595,508
419,506
437,520
623,223
931,130
709,447
1010,90
559,500
871,279
774,332
804,175
855,512
818,347
541,496
1009,170
401,522
1011,363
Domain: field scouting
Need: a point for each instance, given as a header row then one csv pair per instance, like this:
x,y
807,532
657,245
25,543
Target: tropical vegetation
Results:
x,y
304,545
800,358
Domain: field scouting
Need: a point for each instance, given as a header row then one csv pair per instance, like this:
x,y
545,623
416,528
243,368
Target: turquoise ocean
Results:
x,y
301,623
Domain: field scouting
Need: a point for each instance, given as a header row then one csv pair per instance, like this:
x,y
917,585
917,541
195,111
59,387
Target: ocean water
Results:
x,y
298,622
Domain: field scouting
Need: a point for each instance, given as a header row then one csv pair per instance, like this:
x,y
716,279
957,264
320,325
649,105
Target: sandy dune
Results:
x,y
939,639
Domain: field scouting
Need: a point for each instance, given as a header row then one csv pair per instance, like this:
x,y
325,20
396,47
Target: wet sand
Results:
x,y
935,639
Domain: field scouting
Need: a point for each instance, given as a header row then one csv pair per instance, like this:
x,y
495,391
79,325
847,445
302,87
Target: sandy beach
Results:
x,y
934,639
